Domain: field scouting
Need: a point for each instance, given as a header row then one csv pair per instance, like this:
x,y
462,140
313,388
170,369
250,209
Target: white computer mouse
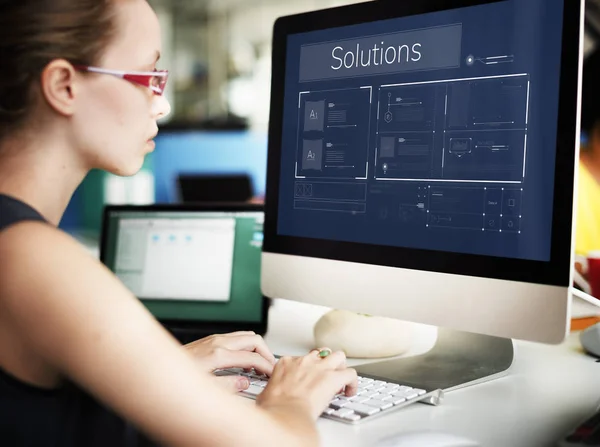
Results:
x,y
590,339
426,439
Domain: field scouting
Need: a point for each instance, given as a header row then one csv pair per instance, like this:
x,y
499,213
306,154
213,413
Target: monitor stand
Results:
x,y
458,359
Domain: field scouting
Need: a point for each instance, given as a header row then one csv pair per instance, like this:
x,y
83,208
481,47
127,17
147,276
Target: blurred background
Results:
x,y
215,140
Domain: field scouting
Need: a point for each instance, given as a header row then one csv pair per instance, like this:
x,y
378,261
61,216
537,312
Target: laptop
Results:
x,y
196,267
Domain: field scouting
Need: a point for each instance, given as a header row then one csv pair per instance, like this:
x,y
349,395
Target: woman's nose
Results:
x,y
160,107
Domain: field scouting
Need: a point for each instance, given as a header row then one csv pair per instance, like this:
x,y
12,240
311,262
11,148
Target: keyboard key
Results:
x,y
342,412
359,399
339,403
407,394
377,388
353,417
370,394
390,389
362,409
379,404
254,390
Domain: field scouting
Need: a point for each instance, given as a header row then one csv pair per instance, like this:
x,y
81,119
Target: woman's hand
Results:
x,y
309,381
235,350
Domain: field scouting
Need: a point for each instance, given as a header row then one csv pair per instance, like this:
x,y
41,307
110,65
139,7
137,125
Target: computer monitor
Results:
x,y
421,166
185,151
195,267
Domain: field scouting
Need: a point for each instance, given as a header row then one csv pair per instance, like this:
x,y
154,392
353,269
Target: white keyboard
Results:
x,y
373,399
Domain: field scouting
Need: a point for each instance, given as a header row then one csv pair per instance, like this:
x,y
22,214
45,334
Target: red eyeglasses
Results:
x,y
154,80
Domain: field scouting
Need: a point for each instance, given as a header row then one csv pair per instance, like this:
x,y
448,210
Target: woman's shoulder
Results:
x,y
37,241
34,254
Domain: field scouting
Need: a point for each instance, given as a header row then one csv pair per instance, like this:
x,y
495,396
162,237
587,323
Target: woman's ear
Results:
x,y
58,86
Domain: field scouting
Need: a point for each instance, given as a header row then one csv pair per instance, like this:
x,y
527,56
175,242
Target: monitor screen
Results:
x,y
184,152
189,265
433,131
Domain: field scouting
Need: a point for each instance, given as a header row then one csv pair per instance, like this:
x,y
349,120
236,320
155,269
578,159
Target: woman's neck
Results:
x,y
43,175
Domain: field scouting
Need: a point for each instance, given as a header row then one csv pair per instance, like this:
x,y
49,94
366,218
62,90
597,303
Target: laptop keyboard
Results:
x,y
374,397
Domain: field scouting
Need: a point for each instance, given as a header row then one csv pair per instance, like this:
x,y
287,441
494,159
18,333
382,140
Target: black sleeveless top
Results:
x,y
67,416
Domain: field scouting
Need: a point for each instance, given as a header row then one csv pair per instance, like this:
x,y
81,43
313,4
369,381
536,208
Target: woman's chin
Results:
x,y
127,170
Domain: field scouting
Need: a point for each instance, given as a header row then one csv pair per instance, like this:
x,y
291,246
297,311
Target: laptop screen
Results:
x,y
193,265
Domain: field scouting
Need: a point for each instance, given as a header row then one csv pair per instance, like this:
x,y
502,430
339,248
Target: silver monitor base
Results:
x,y
458,359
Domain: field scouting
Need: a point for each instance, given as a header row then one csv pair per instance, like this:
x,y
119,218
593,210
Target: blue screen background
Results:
x,y
459,192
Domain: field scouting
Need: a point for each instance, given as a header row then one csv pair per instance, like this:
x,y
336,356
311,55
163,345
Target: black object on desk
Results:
x,y
194,188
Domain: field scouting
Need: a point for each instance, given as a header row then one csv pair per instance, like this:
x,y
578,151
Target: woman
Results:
x,y
79,90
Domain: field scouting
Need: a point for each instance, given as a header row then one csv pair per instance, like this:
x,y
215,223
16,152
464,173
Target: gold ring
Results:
x,y
324,352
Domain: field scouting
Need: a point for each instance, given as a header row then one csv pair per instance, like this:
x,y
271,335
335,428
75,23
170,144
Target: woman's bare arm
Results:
x,y
81,320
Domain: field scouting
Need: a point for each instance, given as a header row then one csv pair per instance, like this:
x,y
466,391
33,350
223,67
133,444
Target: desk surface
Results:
x,y
548,390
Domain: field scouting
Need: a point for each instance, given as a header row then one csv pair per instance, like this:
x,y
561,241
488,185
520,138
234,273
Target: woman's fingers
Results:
x,y
237,334
346,378
312,378
234,383
225,358
247,342
335,360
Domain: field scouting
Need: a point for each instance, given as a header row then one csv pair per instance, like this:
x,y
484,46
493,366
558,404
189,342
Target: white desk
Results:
x,y
548,390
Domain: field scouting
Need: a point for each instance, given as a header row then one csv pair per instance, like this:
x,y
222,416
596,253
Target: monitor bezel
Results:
x,y
556,271
204,327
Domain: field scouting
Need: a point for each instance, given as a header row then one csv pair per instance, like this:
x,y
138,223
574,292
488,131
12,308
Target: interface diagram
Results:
x,y
465,130
466,139
334,127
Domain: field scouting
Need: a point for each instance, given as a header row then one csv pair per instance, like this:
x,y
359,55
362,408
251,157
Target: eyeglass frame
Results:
x,y
143,78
